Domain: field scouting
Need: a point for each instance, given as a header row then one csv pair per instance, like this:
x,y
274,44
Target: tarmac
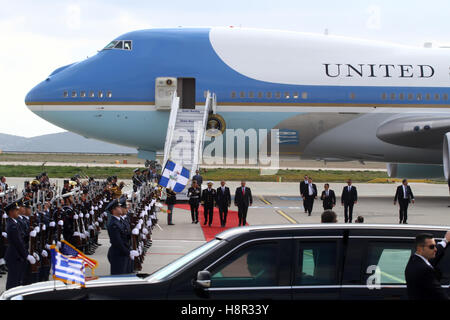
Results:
x,y
280,203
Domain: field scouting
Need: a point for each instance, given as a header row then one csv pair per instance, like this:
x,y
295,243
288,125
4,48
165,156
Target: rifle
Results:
x,y
33,237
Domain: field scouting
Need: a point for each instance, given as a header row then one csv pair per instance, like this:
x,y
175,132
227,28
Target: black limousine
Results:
x,y
321,261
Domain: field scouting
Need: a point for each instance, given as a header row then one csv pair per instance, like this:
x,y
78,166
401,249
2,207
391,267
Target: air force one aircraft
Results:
x,y
332,98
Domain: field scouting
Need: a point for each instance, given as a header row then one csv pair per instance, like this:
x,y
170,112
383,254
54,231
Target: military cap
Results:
x,y
112,205
11,206
136,170
123,202
26,204
210,182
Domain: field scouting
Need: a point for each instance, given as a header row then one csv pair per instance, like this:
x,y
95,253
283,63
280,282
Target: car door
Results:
x,y
256,269
375,269
316,273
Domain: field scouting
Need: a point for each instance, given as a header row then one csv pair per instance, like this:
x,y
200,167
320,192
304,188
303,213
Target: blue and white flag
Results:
x,y
174,176
67,269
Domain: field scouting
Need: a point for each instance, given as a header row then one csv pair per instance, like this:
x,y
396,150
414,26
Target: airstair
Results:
x,y
186,135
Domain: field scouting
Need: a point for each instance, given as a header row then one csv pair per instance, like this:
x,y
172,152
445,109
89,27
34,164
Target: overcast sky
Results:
x,y
39,36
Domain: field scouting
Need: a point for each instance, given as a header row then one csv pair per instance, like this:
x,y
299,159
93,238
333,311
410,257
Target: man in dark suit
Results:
x,y
404,196
223,202
422,278
16,255
310,193
303,187
208,201
349,198
328,198
119,252
243,199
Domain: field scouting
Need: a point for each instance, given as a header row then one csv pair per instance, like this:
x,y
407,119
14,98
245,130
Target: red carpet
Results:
x,y
210,232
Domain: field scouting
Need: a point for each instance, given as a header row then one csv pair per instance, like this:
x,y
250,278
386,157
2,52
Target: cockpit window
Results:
x,y
120,45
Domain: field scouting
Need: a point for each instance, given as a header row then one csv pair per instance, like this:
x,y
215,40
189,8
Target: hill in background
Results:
x,y
59,142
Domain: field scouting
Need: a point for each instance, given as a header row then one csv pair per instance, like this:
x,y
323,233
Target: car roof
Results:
x,y
237,231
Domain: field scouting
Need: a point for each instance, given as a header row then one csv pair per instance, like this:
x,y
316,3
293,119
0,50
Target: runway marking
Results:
x,y
264,200
291,220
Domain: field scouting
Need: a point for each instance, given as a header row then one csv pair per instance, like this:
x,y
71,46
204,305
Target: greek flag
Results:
x,y
66,269
174,176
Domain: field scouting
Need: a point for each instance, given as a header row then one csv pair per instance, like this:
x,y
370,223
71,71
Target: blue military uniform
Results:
x,y
16,253
119,251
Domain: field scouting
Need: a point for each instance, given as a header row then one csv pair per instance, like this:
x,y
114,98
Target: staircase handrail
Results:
x,y
170,127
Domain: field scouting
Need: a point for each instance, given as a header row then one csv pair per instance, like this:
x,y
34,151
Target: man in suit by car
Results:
x,y
422,277
310,193
243,199
328,198
349,198
404,196
223,202
303,187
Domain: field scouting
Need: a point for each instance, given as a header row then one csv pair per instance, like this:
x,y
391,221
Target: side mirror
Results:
x,y
203,279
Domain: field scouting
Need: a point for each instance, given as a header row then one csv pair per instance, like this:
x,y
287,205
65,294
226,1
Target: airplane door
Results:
x,y
164,89
186,92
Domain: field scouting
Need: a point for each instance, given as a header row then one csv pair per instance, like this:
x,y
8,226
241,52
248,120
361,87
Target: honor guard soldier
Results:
x,y
137,182
125,219
170,201
16,254
119,252
194,194
223,202
208,201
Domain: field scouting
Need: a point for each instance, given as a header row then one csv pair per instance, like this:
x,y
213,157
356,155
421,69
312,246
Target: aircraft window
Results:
x,y
119,45
66,94
277,95
410,96
427,96
83,94
304,95
100,94
445,96
287,95
392,96
109,94
242,94
401,96
384,96
233,94
127,45
268,95
260,95
74,94
92,94
251,94
419,96
352,95
111,45
436,96
295,95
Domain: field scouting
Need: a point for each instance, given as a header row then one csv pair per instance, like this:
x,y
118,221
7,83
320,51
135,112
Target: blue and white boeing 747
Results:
x,y
332,98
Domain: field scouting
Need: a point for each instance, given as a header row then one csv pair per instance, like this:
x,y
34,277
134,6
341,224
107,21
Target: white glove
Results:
x,y
75,217
141,221
5,235
135,231
133,253
36,256
83,236
100,220
81,215
100,206
44,227
47,246
145,231
44,253
52,224
31,259
149,223
60,223
33,234
37,229
91,227
92,212
5,216
58,244
142,214
76,234
96,224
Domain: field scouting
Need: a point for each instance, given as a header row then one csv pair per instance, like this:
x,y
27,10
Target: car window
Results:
x,y
252,266
317,263
389,260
